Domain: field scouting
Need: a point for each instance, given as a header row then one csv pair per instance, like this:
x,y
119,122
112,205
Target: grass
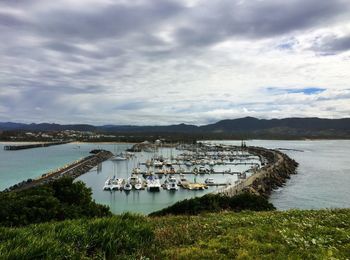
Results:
x,y
323,234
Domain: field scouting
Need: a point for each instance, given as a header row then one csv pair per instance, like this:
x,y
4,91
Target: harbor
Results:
x,y
169,168
33,163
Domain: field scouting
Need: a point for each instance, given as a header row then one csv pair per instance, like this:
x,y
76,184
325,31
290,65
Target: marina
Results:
x,y
301,191
178,161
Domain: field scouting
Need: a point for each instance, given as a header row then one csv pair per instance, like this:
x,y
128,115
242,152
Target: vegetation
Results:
x,y
216,203
58,200
323,234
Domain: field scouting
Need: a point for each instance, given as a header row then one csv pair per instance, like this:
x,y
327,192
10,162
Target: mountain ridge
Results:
x,y
291,126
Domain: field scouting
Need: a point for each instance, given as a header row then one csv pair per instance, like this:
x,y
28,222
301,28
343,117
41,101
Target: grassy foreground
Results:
x,y
323,234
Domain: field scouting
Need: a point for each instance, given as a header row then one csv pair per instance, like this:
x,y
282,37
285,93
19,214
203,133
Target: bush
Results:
x,y
215,203
59,200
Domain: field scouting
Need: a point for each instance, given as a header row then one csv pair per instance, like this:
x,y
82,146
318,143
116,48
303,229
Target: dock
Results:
x,y
73,170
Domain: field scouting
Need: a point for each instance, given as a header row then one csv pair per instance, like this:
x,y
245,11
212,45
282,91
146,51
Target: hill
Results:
x,y
247,127
297,234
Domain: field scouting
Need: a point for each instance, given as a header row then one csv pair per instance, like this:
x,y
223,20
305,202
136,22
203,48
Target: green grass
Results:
x,y
323,234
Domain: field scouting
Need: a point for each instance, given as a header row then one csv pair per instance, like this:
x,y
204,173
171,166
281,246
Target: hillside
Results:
x,y
323,234
248,127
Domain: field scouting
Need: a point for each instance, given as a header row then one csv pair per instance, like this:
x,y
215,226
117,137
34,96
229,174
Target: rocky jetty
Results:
x,y
74,170
277,169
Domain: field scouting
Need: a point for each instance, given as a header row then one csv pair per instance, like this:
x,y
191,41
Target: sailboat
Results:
x,y
118,157
117,183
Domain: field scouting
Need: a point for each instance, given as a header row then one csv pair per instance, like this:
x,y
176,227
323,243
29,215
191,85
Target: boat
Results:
x,y
202,170
153,183
183,179
227,171
168,164
108,184
117,184
138,186
135,181
172,183
188,164
136,170
158,164
118,157
209,181
127,186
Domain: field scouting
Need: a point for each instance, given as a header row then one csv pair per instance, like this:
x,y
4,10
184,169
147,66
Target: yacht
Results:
x,y
158,164
209,181
172,183
119,157
127,186
117,184
153,183
135,181
183,179
108,184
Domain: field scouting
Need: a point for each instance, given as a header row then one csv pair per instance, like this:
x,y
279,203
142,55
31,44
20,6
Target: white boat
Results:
x,y
127,186
136,170
158,164
183,179
117,184
211,163
135,181
209,181
118,158
108,184
172,183
153,183
138,186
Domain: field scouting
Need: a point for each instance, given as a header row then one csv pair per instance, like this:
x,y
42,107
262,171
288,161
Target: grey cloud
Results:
x,y
107,22
256,19
331,44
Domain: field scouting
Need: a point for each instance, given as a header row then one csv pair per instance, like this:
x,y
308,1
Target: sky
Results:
x,y
164,62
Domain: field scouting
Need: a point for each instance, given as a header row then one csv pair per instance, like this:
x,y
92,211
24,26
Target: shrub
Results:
x,y
215,203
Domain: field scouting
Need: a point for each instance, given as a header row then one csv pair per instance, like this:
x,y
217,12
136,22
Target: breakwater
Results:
x,y
74,169
277,169
29,146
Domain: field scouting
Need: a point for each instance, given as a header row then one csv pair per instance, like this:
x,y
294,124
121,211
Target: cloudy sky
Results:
x,y
160,62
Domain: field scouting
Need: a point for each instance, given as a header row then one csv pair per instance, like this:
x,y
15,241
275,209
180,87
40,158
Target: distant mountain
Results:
x,y
254,124
45,127
248,125
180,128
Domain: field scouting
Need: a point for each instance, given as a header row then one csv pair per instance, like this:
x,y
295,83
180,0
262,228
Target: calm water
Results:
x,y
323,179
143,201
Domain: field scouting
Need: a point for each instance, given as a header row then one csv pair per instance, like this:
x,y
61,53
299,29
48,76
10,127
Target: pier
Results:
x,y
30,146
277,170
74,170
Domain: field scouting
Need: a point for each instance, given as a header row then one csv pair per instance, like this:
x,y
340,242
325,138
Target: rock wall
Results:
x,y
274,174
